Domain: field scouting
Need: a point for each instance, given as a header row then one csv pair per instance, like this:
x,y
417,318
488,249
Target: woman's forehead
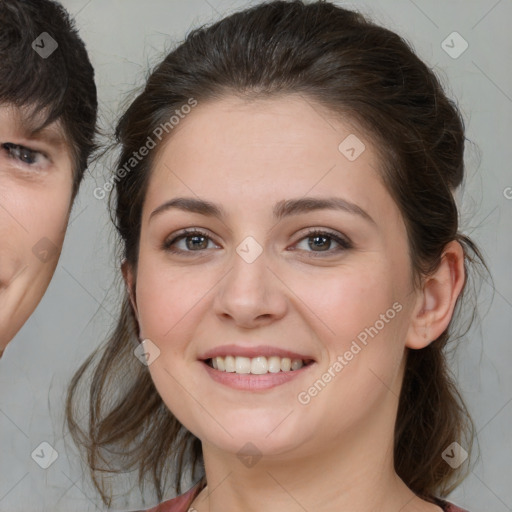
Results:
x,y
241,177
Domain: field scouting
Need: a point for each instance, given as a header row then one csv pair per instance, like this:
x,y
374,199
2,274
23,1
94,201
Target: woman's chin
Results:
x,y
256,441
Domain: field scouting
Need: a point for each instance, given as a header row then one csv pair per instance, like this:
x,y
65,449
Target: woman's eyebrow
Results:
x,y
281,209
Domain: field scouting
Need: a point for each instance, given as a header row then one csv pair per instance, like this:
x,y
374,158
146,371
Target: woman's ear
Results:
x,y
436,302
129,281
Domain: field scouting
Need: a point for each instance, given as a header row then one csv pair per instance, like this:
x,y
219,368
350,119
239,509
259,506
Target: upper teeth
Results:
x,y
256,365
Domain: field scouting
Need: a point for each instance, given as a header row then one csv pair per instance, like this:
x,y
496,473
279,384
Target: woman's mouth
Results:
x,y
256,365
259,373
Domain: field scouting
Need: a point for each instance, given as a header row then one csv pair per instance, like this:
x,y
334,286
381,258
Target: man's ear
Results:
x,y
436,302
129,281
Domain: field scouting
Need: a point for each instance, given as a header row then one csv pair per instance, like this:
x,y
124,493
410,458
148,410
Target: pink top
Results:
x,y
183,502
180,503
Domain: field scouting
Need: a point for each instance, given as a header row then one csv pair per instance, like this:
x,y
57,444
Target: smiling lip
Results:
x,y
251,382
261,350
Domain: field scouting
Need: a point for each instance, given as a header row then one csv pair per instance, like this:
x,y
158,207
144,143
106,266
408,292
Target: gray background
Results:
x,y
124,38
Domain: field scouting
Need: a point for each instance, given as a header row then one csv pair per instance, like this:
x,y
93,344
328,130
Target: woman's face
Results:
x,y
35,195
255,282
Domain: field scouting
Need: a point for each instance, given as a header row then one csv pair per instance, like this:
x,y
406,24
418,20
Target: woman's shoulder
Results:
x,y
180,503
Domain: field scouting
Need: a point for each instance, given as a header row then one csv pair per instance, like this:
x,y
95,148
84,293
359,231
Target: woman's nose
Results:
x,y
251,293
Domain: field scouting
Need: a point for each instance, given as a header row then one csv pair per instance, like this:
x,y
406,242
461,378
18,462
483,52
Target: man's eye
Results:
x,y
23,154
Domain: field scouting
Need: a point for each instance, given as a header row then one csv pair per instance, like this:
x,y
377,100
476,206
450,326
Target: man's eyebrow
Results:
x,y
29,127
281,209
50,135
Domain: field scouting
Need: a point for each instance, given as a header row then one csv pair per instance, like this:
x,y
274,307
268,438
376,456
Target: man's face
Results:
x,y
35,194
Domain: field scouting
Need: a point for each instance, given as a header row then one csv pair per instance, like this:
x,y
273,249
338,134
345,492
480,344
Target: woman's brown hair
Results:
x,y
359,71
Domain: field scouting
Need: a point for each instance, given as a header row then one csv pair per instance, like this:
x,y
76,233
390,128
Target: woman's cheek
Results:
x,y
165,297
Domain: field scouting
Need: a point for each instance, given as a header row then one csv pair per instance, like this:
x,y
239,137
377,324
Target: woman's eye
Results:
x,y
23,154
190,241
320,242
316,242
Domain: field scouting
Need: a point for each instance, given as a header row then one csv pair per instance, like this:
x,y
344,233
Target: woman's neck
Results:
x,y
352,479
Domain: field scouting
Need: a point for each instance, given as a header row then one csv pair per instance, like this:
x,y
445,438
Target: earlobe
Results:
x,y
438,298
129,282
